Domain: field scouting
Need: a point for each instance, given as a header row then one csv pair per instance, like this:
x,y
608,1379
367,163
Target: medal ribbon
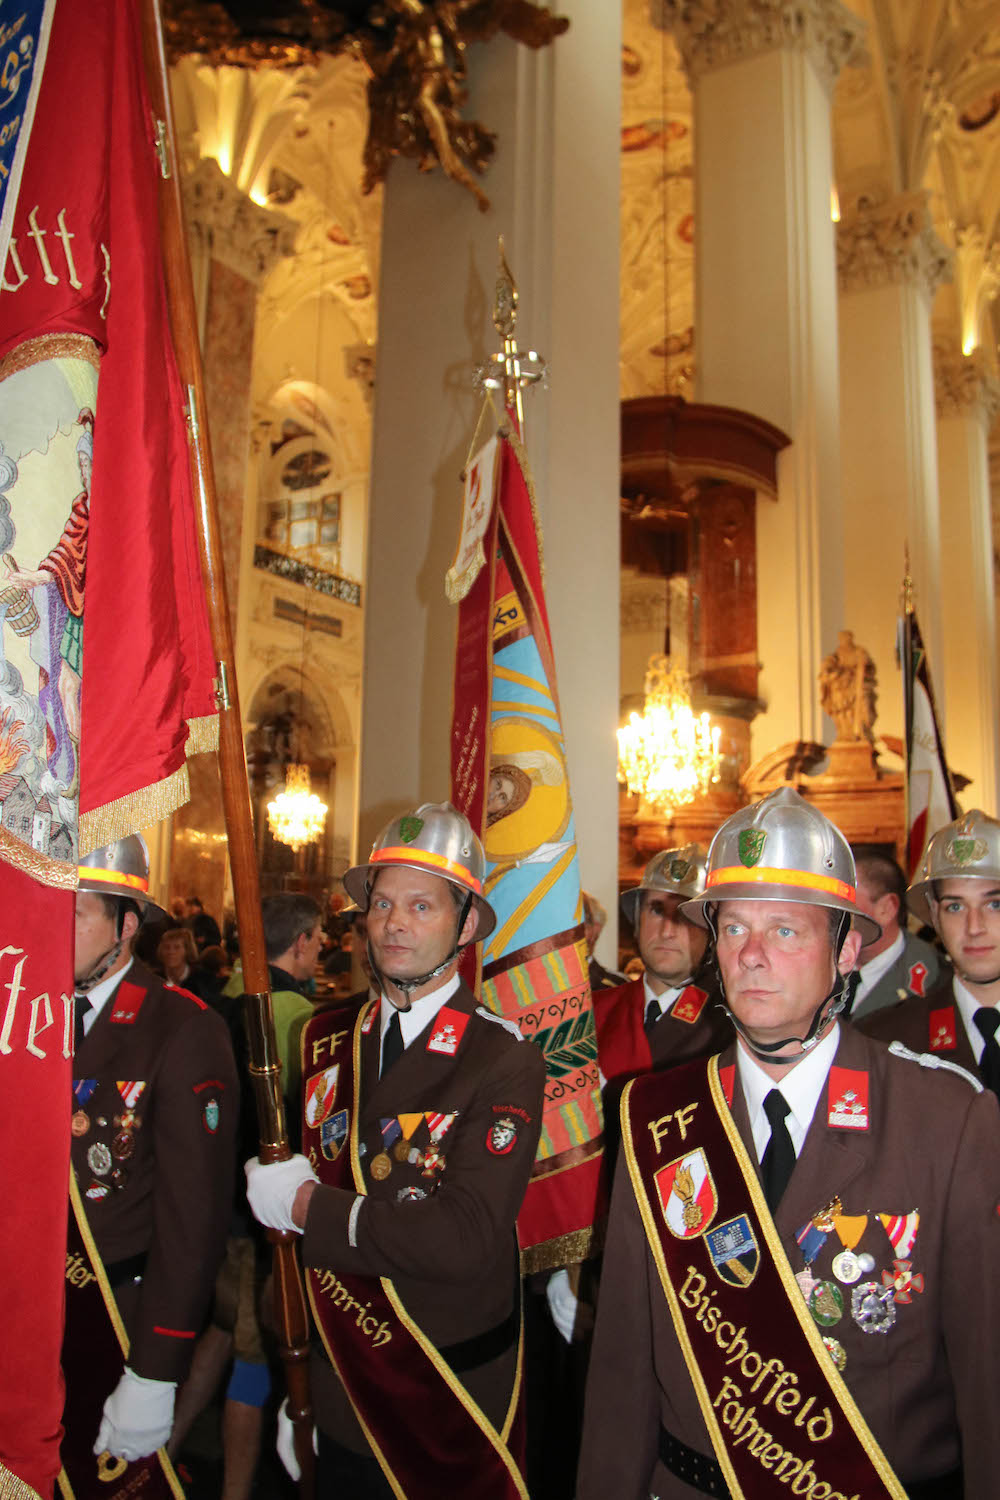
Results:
x,y
382,1359
902,1232
850,1228
814,1430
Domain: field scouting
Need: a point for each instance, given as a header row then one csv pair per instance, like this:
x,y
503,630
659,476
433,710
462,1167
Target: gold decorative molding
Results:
x,y
963,385
230,227
881,243
712,33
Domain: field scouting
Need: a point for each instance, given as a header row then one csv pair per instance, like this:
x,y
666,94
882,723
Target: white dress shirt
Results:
x,y
801,1085
420,1015
967,1006
873,970
101,994
666,1001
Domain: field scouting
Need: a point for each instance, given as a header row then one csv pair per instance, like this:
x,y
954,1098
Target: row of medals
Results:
x,y
873,1307
403,1151
106,1161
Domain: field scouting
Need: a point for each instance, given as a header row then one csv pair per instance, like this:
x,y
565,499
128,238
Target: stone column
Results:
x,y
234,244
890,263
968,400
554,192
762,74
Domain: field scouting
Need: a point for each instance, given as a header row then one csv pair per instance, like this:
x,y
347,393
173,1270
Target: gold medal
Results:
x,y
80,1122
381,1166
836,1350
401,1150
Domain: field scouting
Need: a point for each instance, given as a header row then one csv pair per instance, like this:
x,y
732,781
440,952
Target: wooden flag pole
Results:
x,y
265,1066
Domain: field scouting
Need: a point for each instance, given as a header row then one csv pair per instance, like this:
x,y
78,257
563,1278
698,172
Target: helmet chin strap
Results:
x,y
407,986
100,969
838,999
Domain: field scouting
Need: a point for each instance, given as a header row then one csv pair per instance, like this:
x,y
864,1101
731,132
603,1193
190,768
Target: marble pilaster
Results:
x,y
968,400
761,76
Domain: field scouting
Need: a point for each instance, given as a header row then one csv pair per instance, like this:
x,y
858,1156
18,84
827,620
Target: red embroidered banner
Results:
x,y
509,777
105,659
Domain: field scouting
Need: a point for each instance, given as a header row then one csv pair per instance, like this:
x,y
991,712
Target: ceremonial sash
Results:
x,y
429,1436
95,1348
779,1415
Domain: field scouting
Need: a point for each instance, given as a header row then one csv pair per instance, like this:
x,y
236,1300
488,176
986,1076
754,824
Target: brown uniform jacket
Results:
x,y
930,1024
927,1388
452,1256
164,1196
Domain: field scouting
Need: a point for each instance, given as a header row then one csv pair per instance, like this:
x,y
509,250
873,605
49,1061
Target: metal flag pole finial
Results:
x,y
511,369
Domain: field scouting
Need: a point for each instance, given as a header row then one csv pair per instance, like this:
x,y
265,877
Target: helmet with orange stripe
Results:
x,y
120,869
781,849
784,849
434,837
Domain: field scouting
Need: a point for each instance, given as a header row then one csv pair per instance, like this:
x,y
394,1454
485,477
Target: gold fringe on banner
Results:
x,y
12,1488
50,346
203,735
60,873
137,810
564,1250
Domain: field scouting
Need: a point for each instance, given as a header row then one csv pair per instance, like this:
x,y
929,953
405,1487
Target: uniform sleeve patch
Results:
x,y
503,1021
501,1138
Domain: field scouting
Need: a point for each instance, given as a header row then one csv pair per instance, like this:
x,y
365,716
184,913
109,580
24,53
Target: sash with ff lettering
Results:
x,y
780,1416
427,1433
95,1348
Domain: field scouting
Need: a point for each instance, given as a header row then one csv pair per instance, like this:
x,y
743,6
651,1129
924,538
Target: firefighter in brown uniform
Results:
x,y
802,1279
154,1128
672,1013
421,1116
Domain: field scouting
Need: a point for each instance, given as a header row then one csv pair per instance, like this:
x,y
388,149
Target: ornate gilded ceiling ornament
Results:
x,y
414,51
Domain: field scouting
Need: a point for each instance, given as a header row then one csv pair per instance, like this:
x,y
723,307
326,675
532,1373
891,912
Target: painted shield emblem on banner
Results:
x,y
751,846
687,1195
320,1093
333,1134
734,1251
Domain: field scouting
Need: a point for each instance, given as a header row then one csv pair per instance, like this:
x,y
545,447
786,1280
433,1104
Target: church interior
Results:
x,y
757,245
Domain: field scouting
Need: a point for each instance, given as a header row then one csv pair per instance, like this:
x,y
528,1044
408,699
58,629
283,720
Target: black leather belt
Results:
x,y
944,1487
705,1474
129,1269
471,1353
696,1469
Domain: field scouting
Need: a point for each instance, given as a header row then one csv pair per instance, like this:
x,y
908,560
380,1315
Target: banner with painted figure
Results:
x,y
930,796
105,659
509,776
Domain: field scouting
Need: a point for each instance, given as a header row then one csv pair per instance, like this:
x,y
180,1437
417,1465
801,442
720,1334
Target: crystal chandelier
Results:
x,y
668,754
296,816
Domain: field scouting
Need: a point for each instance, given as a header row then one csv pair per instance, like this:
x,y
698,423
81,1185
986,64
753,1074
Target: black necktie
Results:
x,y
651,1017
988,1019
779,1154
392,1044
82,1005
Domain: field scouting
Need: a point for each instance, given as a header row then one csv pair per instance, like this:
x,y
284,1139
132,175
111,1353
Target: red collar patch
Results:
x,y
127,1003
689,1004
847,1099
943,1037
917,978
447,1031
727,1077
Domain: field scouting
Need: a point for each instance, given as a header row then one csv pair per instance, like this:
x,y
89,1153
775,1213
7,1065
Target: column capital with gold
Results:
x,y
963,385
231,228
891,241
713,33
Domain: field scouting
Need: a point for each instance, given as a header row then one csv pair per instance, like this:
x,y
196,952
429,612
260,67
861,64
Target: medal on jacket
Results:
x,y
382,1163
902,1232
407,1125
849,1228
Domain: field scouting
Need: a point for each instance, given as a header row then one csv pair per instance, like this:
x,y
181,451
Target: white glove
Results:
x,y
563,1303
286,1442
271,1190
138,1417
